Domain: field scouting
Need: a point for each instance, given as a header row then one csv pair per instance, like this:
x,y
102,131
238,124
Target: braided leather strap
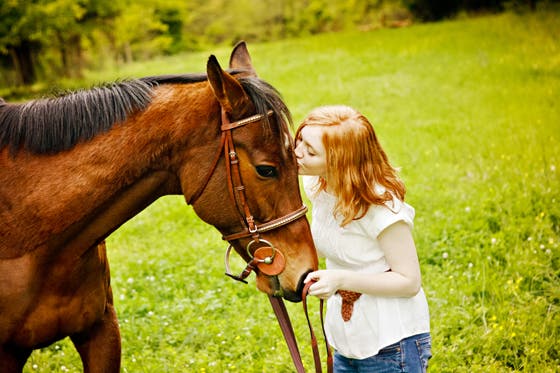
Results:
x,y
348,299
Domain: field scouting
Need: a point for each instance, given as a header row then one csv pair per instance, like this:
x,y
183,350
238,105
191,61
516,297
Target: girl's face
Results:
x,y
310,152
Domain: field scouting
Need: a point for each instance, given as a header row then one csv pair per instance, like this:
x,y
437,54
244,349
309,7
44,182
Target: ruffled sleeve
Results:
x,y
383,216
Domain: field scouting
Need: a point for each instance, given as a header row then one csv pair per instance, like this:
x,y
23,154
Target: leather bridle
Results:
x,y
262,254
267,259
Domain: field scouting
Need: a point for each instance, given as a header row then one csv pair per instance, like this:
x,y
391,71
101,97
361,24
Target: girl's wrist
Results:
x,y
339,277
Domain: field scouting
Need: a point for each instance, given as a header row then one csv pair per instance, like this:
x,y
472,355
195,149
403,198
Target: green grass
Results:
x,y
469,110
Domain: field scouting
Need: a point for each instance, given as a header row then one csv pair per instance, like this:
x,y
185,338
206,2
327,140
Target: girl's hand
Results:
x,y
327,283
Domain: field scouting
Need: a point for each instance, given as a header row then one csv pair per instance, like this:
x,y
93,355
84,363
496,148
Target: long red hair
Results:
x,y
356,162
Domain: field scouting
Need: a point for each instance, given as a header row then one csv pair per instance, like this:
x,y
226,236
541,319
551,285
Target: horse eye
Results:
x,y
267,171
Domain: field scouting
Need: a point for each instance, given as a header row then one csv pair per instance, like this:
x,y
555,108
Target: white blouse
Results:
x,y
376,322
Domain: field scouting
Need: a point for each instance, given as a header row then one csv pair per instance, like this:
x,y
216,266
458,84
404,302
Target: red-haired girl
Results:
x,y
377,314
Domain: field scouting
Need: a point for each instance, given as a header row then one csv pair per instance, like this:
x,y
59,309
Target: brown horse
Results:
x,y
74,168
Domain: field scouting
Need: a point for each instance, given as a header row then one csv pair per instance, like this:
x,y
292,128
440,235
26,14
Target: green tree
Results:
x,y
53,38
48,34
20,36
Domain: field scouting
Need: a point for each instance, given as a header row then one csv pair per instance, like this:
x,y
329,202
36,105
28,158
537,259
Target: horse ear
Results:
x,y
240,59
227,90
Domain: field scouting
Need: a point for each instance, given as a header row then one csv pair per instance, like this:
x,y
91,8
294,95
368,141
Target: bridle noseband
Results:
x,y
267,259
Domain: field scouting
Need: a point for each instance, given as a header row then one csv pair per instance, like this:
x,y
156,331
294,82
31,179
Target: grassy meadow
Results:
x,y
469,109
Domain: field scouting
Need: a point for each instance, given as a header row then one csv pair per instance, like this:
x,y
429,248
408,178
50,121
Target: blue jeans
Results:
x,y
410,355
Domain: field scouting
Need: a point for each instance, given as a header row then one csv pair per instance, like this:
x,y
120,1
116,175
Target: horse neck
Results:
x,y
82,195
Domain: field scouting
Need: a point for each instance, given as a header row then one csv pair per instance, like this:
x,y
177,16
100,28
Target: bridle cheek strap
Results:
x,y
226,126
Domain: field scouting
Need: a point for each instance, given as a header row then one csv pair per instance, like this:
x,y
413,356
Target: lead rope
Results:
x,y
285,325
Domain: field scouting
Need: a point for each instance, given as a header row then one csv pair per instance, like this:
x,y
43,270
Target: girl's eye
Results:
x,y
267,171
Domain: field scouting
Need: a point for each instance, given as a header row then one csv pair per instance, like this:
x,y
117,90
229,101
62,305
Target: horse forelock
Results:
x,y
54,124
265,98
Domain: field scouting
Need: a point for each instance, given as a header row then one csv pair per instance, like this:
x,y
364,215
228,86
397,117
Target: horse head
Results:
x,y
251,192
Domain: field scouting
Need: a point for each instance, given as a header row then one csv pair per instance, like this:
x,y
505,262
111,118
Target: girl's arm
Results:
x,y
403,280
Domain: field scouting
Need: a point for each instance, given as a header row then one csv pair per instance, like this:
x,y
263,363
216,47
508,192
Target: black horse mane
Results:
x,y
54,124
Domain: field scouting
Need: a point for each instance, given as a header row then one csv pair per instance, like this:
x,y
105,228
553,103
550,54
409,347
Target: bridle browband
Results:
x,y
268,259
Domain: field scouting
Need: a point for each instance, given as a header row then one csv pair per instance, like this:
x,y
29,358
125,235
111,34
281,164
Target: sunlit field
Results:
x,y
469,110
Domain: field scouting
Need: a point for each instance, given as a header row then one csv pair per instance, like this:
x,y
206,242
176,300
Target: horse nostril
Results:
x,y
301,284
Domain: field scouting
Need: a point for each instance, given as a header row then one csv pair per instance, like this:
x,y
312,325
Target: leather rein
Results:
x,y
286,326
267,259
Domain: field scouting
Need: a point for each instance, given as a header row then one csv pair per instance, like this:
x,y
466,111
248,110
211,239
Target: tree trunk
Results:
x,y
77,56
23,61
71,55
127,52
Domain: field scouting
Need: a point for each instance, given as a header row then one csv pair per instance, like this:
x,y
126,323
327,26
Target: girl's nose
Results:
x,y
297,150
